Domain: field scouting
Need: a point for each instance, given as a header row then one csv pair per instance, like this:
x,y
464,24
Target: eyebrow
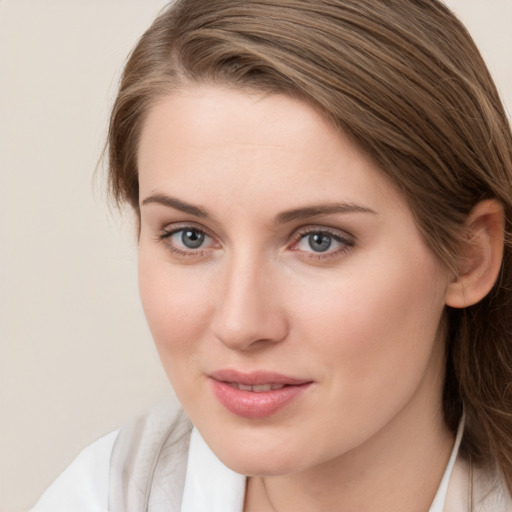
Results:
x,y
177,204
281,218
321,209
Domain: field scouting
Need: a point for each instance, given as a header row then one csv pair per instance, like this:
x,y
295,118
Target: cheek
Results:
x,y
177,308
375,330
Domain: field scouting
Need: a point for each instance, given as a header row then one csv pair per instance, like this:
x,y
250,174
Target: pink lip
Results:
x,y
251,404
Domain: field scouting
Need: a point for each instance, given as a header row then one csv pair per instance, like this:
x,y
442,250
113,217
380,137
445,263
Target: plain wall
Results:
x,y
76,358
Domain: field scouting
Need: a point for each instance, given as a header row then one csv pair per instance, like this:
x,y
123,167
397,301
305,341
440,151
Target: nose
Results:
x,y
249,313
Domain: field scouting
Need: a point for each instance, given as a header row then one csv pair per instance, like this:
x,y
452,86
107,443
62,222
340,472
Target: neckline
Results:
x,y
442,490
210,485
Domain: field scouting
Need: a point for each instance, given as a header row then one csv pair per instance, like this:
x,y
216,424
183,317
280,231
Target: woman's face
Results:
x,y
293,302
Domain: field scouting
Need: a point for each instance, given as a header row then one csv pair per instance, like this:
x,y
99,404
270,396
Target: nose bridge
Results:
x,y
248,309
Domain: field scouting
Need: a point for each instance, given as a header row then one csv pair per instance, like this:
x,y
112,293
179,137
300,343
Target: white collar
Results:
x,y
212,486
440,497
209,484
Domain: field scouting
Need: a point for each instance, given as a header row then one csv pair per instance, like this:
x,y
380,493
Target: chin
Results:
x,y
250,458
260,465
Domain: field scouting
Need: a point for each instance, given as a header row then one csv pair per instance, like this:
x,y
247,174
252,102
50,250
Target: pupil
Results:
x,y
192,239
320,242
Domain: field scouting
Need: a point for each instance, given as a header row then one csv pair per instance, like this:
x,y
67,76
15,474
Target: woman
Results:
x,y
324,198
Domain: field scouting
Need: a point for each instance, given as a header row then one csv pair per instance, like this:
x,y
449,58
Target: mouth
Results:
x,y
256,394
259,388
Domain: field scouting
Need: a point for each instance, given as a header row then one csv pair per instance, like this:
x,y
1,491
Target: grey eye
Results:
x,y
322,243
191,238
319,242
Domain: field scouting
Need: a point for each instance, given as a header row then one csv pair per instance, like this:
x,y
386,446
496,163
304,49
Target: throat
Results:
x,y
395,488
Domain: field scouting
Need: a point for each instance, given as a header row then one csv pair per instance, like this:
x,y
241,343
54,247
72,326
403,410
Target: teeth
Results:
x,y
260,388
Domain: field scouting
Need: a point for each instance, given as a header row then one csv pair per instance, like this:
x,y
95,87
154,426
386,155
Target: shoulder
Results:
x,y
490,492
83,486
149,461
126,470
478,489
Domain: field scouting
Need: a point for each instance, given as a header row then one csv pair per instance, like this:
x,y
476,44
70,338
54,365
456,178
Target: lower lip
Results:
x,y
250,404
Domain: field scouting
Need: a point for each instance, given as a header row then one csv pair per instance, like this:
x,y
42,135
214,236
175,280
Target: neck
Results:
x,y
399,469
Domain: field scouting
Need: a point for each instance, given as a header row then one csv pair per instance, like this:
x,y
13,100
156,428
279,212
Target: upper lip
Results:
x,y
256,378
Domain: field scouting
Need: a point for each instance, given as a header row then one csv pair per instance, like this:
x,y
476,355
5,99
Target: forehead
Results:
x,y
210,113
251,143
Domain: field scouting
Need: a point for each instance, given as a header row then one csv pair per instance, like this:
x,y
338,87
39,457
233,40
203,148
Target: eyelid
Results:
x,y
165,234
174,227
347,241
316,228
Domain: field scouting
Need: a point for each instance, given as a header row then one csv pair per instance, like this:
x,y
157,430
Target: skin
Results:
x,y
362,320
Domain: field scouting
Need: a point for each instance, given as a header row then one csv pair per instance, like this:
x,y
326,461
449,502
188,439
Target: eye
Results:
x,y
318,242
186,240
189,238
322,243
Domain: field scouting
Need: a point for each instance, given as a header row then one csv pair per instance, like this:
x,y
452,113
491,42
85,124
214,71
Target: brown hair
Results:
x,y
405,81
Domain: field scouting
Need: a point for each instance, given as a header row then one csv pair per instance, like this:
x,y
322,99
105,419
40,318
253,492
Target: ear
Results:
x,y
482,255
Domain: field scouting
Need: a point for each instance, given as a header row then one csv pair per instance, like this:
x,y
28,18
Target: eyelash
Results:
x,y
165,235
347,243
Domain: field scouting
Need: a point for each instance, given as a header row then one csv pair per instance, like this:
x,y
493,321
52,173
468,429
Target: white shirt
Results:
x,y
210,486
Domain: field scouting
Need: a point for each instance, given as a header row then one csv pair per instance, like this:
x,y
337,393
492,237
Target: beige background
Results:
x,y
76,359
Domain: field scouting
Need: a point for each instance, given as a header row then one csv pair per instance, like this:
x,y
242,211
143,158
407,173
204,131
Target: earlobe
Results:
x,y
483,255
